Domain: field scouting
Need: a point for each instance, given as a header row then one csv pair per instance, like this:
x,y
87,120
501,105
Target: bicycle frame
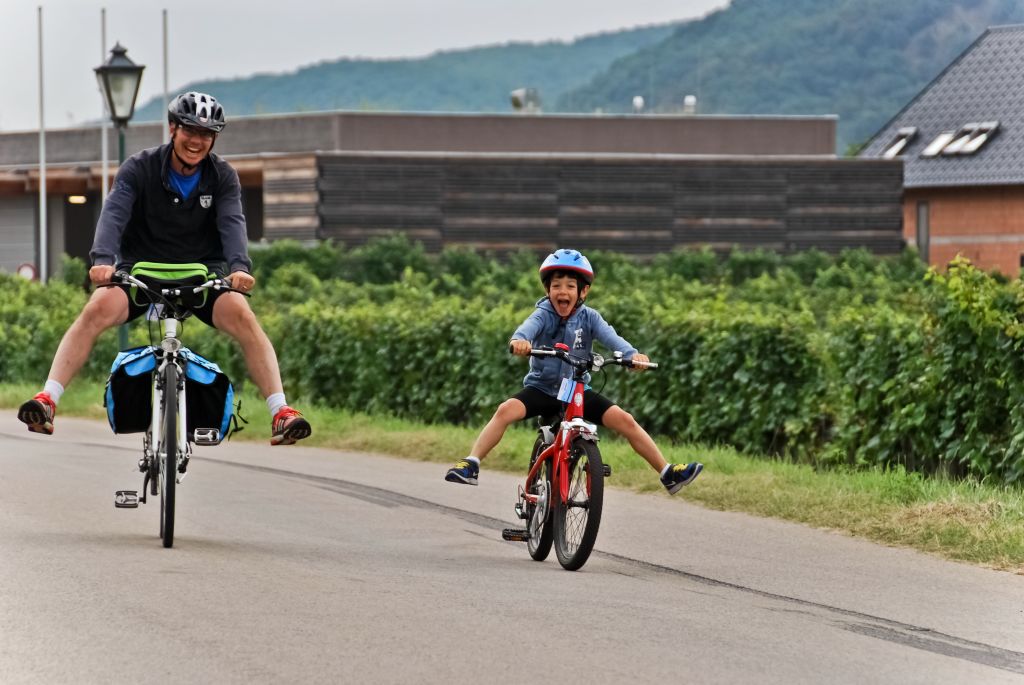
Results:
x,y
570,428
169,346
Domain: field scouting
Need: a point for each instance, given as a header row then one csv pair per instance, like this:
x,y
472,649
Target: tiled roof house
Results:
x,y
962,143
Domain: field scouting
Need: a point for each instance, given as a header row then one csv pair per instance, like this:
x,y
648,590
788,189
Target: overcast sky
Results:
x,y
230,38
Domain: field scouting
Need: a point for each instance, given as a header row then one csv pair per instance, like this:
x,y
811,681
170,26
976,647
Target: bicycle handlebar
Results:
x,y
596,361
125,278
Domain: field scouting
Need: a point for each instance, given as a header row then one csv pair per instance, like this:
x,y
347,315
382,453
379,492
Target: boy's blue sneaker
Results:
x,y
679,475
464,471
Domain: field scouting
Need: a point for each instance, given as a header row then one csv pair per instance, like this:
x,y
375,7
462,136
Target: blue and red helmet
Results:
x,y
571,261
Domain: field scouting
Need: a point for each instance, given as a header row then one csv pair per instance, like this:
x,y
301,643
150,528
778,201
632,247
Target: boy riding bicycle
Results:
x,y
562,317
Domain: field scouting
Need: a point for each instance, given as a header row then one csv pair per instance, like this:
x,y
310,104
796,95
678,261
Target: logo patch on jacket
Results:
x,y
205,201
577,344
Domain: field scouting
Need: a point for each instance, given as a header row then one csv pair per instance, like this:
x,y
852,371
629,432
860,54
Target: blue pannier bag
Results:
x,y
209,396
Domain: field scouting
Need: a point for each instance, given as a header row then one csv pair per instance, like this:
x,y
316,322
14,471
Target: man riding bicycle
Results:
x,y
176,203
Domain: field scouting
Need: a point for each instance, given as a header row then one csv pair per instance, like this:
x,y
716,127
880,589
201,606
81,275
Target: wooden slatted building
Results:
x,y
632,204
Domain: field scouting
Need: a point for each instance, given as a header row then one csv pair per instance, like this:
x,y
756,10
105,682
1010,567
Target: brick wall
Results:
x,y
986,225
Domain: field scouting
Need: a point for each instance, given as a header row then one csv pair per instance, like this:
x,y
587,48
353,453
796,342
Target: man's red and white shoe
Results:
x,y
38,413
288,426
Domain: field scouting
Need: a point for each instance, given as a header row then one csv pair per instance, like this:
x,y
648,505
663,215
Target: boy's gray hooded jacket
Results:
x,y
544,327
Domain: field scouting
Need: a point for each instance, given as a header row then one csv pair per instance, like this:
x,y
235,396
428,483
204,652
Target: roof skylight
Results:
x,y
899,143
980,137
967,140
935,147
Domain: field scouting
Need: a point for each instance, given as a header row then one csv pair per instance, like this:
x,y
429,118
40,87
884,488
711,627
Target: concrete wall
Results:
x,y
354,131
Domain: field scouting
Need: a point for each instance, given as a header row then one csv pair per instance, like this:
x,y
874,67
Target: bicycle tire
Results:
x,y
576,520
538,521
169,465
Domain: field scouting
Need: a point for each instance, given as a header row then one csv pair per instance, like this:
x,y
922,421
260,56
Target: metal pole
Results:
x,y
105,126
43,233
122,330
166,129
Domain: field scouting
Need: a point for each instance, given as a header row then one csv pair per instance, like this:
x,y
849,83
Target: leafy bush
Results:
x,y
851,360
385,260
323,259
884,392
742,265
33,319
74,272
690,264
462,267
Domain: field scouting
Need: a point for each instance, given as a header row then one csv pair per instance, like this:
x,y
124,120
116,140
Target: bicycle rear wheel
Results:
x,y
539,515
577,519
169,461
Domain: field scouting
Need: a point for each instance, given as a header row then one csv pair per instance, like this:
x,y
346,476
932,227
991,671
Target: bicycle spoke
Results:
x,y
539,514
577,506
579,516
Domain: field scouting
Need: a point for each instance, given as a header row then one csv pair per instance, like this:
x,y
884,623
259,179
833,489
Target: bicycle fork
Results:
x,y
558,486
152,457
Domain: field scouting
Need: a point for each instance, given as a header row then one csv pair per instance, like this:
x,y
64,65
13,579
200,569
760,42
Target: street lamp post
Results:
x,y
119,79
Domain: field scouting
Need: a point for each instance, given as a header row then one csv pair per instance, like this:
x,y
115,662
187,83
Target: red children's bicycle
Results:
x,y
564,491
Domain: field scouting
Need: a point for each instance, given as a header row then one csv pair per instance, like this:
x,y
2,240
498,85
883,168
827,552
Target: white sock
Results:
x,y
665,470
54,389
475,460
275,402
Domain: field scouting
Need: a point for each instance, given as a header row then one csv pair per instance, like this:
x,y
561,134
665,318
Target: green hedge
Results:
x,y
883,395
848,359
743,378
941,390
33,319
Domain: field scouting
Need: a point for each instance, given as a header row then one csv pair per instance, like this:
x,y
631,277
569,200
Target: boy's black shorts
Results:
x,y
539,403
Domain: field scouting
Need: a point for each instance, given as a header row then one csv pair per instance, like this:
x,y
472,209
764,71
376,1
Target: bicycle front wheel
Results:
x,y
539,515
168,456
577,518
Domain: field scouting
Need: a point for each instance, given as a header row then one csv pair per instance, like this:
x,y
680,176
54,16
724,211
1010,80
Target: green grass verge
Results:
x,y
967,521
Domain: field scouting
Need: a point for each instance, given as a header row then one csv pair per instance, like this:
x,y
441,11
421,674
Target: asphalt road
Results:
x,y
294,564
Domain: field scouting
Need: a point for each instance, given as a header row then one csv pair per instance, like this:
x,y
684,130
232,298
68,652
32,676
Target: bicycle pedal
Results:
x,y
607,470
521,511
515,534
126,499
206,436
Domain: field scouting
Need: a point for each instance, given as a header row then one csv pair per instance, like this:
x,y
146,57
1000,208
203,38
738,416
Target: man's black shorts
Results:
x,y
539,403
204,313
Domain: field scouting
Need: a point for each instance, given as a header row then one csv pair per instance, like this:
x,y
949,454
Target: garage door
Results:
x,y
17,232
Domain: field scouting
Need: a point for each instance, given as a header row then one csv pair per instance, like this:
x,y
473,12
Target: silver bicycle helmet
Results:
x,y
197,109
